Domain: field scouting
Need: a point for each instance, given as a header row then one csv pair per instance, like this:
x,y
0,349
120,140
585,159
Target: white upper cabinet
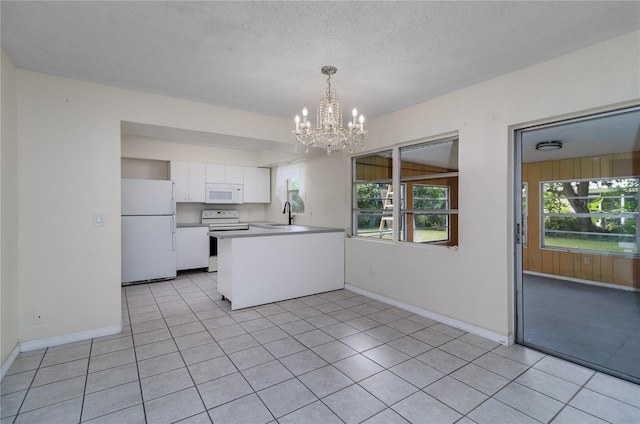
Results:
x,y
234,174
215,173
257,185
196,182
189,179
224,174
179,174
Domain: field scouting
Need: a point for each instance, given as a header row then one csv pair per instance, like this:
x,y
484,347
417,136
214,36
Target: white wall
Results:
x,y
70,149
147,148
475,283
8,212
326,192
144,169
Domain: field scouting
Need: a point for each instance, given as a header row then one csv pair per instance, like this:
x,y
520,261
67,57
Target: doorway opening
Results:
x,y
577,237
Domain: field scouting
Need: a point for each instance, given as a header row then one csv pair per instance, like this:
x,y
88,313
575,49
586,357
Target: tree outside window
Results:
x,y
591,215
290,186
430,226
293,196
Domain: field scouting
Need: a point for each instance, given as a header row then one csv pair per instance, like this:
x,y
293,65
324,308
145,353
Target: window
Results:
x,y
290,186
595,215
373,195
428,194
430,174
428,225
293,196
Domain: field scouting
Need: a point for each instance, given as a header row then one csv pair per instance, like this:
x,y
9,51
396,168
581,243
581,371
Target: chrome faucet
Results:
x,y
285,211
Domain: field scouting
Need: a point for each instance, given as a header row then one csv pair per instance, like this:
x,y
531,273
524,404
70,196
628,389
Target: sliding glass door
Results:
x,y
578,228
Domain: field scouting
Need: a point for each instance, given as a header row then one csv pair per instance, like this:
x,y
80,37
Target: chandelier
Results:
x,y
329,133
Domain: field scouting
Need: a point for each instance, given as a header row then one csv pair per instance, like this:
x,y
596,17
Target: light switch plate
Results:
x,y
98,219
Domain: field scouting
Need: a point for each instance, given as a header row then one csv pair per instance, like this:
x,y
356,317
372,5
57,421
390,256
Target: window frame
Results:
x,y
434,212
355,210
628,215
524,192
290,193
398,183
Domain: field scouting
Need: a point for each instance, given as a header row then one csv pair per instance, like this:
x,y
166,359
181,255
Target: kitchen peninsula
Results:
x,y
272,262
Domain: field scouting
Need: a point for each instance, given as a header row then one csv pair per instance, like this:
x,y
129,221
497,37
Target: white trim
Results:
x,y
69,338
7,364
499,338
580,280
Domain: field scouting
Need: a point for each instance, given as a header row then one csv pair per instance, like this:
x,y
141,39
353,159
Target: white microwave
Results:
x,y
223,193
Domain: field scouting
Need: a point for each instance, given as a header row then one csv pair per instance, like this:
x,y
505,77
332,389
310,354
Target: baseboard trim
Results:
x,y
499,338
7,364
69,338
581,281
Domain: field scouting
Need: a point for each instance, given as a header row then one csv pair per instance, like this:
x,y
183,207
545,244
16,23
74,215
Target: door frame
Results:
x,y
516,132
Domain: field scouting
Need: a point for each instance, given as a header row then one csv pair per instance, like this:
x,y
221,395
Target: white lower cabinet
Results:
x,y
192,248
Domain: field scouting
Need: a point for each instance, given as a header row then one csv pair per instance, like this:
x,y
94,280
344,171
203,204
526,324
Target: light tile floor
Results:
x,y
336,357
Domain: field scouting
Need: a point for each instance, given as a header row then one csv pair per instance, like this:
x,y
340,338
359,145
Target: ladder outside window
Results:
x,y
386,221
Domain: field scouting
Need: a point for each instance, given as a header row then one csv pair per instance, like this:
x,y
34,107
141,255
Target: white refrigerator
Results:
x,y
148,230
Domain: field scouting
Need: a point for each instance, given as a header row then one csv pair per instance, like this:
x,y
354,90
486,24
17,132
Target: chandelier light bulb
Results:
x,y
304,112
354,112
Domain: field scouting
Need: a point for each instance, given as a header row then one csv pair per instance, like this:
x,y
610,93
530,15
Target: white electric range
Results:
x,y
220,220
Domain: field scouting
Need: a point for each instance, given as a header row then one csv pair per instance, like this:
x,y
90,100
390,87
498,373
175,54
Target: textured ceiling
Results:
x,y
266,57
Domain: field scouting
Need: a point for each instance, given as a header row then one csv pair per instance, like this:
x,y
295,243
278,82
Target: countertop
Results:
x,y
262,230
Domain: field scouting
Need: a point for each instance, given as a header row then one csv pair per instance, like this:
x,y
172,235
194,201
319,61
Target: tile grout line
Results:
x,y
15,417
164,319
225,354
135,356
354,383
86,379
206,410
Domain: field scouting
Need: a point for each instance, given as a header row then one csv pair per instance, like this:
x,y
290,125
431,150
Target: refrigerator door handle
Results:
x,y
173,198
173,232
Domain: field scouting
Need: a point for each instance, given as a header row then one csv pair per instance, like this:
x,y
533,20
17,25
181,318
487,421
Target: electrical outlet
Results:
x,y
38,318
372,270
587,260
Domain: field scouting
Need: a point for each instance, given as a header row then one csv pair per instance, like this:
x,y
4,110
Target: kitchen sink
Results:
x,y
273,226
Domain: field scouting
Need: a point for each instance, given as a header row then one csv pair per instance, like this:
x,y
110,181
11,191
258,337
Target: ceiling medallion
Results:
x,y
547,146
329,133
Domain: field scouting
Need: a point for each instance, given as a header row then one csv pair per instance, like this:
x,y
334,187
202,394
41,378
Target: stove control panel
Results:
x,y
220,214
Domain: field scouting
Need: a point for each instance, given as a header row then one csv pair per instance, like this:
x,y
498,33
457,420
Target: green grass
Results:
x,y
422,236
426,236
419,236
594,245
